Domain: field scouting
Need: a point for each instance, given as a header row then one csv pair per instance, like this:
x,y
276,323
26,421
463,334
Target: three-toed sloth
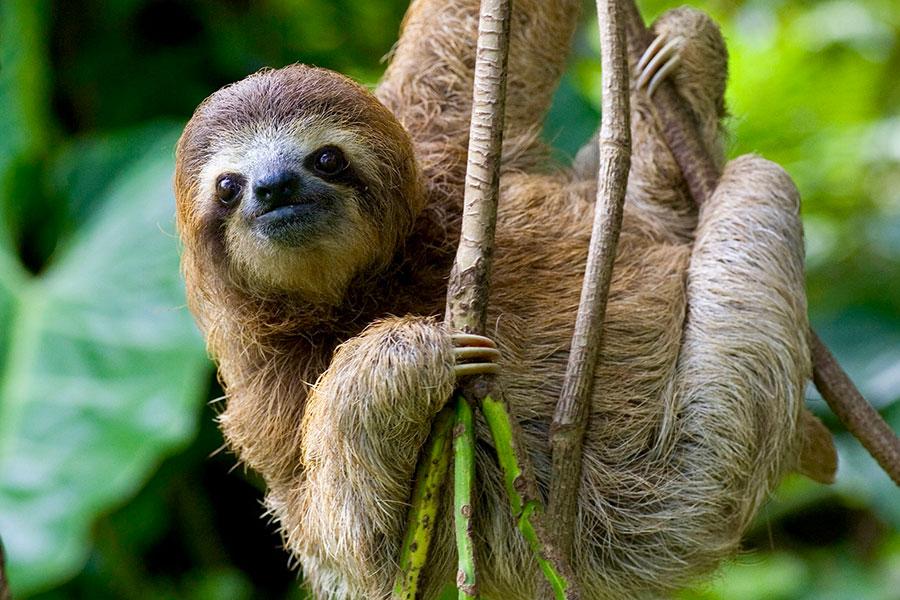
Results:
x,y
319,223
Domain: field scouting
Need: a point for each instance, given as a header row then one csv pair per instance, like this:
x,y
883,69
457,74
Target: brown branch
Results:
x,y
701,175
851,408
570,419
468,289
469,285
4,583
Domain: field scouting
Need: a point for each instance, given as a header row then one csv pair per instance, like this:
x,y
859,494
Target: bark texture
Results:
x,y
469,287
572,410
851,408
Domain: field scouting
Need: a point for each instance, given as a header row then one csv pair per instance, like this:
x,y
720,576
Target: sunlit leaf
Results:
x,y
103,371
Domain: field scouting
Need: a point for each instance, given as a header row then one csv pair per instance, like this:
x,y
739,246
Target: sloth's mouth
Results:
x,y
295,223
286,211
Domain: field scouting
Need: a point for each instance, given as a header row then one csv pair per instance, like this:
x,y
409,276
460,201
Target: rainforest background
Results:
x,y
113,482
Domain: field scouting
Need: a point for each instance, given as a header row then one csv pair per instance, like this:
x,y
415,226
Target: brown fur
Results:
x,y
703,366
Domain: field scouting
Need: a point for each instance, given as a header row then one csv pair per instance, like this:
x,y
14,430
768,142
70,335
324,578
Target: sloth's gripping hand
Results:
x,y
365,422
474,355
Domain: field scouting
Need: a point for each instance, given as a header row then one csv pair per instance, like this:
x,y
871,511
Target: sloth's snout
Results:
x,y
279,188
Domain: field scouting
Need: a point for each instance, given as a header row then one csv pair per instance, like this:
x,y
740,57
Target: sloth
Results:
x,y
319,222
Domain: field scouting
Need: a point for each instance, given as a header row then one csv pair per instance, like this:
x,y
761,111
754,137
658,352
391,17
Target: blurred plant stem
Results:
x,y
4,584
26,129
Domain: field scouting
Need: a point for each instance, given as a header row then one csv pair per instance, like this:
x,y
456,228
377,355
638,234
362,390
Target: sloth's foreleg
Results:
x,y
365,423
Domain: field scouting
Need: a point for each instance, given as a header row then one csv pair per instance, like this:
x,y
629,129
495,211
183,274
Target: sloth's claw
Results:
x,y
664,72
471,339
660,59
469,353
467,369
474,355
651,51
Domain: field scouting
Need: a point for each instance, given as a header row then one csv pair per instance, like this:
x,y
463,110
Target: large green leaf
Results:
x,y
102,372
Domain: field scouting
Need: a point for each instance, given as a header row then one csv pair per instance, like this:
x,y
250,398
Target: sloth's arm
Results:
x,y
365,422
689,51
428,83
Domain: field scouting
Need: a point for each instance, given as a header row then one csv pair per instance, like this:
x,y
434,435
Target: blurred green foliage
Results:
x,y
110,480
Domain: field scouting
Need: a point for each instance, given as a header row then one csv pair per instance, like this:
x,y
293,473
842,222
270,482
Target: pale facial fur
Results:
x,y
330,255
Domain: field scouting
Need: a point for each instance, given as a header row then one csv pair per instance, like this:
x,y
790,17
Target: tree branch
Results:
x,y
851,408
469,286
572,409
467,297
4,583
701,175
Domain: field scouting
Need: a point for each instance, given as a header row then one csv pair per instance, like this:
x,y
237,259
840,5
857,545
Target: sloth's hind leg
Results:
x,y
744,359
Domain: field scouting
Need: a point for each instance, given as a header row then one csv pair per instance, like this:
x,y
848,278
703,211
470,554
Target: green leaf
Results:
x,y
24,97
572,119
101,375
771,576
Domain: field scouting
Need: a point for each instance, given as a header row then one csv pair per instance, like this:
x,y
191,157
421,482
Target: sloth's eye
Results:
x,y
329,160
228,188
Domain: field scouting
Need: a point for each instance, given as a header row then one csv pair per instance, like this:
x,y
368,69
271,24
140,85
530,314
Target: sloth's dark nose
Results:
x,y
279,188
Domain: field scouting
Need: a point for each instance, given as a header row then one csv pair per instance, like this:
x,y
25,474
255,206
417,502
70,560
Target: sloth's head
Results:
x,y
294,180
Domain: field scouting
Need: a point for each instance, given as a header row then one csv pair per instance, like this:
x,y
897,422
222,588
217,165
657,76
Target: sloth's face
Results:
x,y
285,189
300,178
292,201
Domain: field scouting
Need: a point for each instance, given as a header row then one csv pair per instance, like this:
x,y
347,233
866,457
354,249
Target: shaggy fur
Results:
x,y
330,397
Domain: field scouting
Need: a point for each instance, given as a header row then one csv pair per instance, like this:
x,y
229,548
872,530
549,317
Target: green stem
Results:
x,y
463,476
430,476
526,508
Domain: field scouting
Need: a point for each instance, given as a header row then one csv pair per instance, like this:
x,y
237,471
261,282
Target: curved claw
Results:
x,y
658,62
664,72
467,369
651,51
469,353
471,339
474,355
